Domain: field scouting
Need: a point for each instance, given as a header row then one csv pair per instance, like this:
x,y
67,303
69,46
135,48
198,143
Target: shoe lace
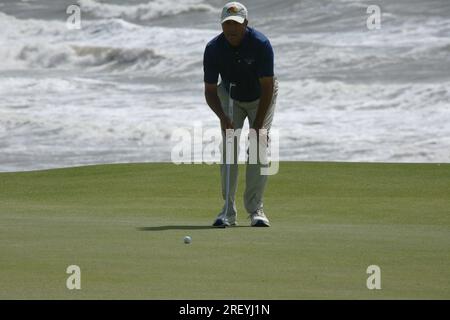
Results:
x,y
258,212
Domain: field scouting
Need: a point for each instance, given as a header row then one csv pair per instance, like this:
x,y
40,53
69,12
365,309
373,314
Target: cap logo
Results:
x,y
233,9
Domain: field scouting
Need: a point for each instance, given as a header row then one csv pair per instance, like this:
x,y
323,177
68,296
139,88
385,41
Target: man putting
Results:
x,y
248,89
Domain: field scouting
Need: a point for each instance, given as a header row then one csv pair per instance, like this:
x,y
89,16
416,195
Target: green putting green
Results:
x,y
124,225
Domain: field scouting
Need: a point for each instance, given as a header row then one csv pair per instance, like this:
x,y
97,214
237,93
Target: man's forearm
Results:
x,y
264,102
213,102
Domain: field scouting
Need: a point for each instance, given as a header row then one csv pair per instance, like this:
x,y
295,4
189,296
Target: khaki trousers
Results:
x,y
255,182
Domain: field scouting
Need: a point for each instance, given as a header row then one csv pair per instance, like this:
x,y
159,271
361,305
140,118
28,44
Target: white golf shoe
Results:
x,y
228,220
259,219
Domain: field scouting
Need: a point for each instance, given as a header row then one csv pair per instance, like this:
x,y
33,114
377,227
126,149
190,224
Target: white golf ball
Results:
x,y
187,239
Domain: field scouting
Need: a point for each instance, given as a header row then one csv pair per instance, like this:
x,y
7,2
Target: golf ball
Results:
x,y
187,239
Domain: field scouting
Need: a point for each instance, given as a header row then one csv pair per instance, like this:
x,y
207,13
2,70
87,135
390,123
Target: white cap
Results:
x,y
234,11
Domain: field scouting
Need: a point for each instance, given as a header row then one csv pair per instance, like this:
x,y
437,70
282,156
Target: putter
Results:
x,y
228,155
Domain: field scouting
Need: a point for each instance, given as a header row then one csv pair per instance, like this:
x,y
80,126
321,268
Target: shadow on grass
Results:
x,y
164,228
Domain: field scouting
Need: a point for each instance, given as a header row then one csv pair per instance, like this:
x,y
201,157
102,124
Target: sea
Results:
x,y
359,81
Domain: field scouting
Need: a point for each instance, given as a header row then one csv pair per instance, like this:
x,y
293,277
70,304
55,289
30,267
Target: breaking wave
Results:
x,y
143,12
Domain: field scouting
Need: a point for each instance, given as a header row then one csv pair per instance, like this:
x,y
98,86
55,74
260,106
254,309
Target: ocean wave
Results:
x,y
314,97
98,57
111,44
143,12
118,58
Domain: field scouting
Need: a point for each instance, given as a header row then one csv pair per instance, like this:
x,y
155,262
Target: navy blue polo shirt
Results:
x,y
242,65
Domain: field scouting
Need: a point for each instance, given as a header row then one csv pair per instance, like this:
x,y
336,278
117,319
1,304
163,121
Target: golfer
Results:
x,y
244,59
